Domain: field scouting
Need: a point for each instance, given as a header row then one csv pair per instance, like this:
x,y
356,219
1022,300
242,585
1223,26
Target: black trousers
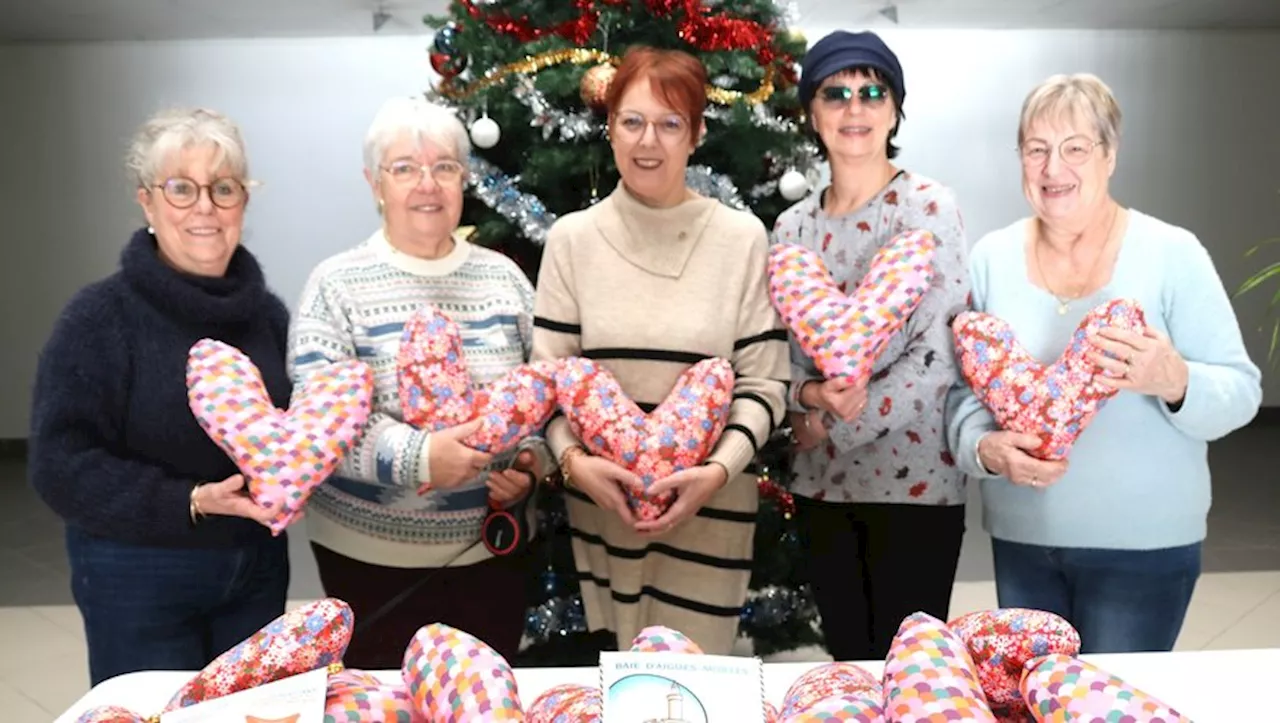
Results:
x,y
871,565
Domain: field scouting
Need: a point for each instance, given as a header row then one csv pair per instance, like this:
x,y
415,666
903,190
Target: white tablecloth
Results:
x,y
1209,686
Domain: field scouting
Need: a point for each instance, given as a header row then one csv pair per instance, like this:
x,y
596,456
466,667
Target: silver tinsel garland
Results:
x,y
706,182
501,192
571,126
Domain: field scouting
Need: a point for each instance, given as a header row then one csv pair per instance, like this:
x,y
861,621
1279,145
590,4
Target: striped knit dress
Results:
x,y
355,305
648,293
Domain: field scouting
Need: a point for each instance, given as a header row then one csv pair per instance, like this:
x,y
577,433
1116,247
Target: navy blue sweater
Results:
x,y
114,447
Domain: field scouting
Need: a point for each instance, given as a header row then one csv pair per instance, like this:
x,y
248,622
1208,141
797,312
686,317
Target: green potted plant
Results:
x,y
1264,279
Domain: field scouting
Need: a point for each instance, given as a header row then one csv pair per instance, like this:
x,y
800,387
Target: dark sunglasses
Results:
x,y
871,93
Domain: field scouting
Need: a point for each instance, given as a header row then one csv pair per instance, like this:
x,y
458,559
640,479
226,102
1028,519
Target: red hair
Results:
x,y
677,78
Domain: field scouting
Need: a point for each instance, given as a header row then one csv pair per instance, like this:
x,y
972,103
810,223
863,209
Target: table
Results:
x,y
1208,686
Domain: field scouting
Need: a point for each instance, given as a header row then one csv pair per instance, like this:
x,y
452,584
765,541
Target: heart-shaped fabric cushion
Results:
x,y
661,639
355,696
109,714
437,392
1001,642
851,708
1062,689
283,455
1054,402
844,333
678,435
312,636
929,676
454,676
566,704
830,680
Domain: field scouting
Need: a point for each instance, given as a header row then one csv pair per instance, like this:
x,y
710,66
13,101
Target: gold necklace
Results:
x,y
1064,302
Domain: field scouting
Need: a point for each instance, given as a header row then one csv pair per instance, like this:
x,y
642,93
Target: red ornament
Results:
x,y
770,490
448,65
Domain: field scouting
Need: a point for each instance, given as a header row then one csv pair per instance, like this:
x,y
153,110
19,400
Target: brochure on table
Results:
x,y
297,699
681,688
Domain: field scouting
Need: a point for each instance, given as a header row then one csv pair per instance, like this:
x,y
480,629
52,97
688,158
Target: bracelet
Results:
x,y
565,458
196,512
977,454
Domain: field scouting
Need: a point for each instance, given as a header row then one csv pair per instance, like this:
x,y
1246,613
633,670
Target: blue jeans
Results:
x,y
158,608
1120,601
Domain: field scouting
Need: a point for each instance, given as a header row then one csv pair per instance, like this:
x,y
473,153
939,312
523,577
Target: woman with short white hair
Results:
x,y
171,564
1109,538
374,535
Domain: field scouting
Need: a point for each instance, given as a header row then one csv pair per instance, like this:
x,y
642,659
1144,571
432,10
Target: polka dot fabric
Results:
x,y
1054,402
453,677
829,681
355,696
659,639
1002,642
566,704
313,636
283,455
1062,689
678,435
844,333
437,391
929,676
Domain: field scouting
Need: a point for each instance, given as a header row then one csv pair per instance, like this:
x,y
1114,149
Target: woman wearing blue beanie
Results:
x,y
880,502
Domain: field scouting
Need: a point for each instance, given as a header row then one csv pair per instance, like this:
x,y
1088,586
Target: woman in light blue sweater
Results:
x,y
1109,538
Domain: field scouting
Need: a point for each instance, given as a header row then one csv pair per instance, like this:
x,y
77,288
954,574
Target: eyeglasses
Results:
x,y
631,126
872,95
406,173
183,192
1074,150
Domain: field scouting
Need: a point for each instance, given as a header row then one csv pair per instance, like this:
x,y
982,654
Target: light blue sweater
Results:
x,y
1138,476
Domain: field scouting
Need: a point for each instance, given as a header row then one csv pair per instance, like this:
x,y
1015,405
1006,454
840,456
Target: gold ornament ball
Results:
x,y
797,36
595,85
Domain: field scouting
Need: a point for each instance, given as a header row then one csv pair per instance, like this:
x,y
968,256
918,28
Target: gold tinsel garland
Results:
x,y
582,56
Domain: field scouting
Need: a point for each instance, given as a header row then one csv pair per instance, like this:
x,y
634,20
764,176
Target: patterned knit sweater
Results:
x,y
355,305
896,451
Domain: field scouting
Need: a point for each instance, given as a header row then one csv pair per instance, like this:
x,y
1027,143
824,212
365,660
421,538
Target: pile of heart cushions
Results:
x,y
437,391
1061,689
283,455
678,435
844,333
1002,642
1054,402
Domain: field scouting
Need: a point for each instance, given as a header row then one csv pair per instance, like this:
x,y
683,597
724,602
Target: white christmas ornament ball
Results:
x,y
793,185
485,132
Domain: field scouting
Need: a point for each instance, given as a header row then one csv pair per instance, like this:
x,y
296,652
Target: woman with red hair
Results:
x,y
648,282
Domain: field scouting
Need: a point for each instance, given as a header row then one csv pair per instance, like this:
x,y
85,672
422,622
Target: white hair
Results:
x,y
174,129
1083,95
421,119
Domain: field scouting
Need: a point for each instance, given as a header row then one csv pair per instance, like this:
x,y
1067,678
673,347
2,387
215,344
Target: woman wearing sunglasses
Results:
x,y
170,565
880,503
1109,538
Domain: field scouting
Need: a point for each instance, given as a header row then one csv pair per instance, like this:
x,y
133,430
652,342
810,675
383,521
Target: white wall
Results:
x,y
1201,147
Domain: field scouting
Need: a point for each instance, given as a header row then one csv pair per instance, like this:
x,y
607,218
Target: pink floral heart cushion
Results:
x,y
1062,689
1001,643
844,333
827,681
929,676
109,714
678,435
355,696
437,391
566,704
1055,402
454,676
312,636
283,454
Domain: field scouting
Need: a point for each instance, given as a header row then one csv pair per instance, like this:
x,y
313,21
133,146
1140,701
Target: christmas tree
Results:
x,y
529,78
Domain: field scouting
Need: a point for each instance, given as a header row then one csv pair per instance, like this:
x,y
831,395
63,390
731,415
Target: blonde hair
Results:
x,y
1082,95
171,130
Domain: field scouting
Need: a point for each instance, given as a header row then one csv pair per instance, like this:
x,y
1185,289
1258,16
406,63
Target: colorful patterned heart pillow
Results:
x,y
109,714
566,704
1001,642
283,455
929,673
437,391
312,636
1062,689
826,681
355,696
850,708
678,435
661,639
1054,402
453,676
844,333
